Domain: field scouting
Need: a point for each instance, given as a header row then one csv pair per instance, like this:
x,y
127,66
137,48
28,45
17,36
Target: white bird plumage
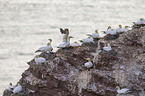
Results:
x,y
94,35
11,87
122,91
107,48
45,48
140,21
110,31
88,64
39,60
87,40
75,44
17,89
65,44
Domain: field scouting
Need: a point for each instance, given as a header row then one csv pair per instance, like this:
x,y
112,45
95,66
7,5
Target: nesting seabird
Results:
x,y
94,35
110,31
11,87
17,89
65,44
65,33
122,91
88,64
107,48
39,60
75,44
87,40
140,21
120,29
46,48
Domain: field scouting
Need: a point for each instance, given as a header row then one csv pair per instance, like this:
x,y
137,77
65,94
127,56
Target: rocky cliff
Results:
x,y
64,74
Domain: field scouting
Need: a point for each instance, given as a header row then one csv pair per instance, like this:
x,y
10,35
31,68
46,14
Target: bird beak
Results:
x,y
71,37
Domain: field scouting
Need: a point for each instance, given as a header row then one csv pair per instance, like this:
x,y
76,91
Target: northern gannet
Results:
x,y
107,48
120,29
126,29
140,21
122,91
65,33
46,48
94,35
17,89
88,64
75,44
11,87
65,44
110,31
87,40
39,60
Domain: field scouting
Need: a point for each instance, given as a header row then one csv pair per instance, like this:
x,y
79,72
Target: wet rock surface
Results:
x,y
64,74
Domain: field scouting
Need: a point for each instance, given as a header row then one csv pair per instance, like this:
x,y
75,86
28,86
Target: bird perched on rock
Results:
x,y
17,89
122,91
107,48
120,29
46,48
87,40
94,35
140,21
65,33
75,44
127,28
65,44
88,64
110,31
11,87
39,60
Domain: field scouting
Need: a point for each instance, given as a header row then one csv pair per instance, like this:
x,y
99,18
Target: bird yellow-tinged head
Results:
x,y
89,59
11,84
120,26
109,27
37,56
96,31
50,40
126,27
117,87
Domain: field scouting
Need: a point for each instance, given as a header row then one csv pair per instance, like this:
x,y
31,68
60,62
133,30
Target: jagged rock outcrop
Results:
x,y
64,74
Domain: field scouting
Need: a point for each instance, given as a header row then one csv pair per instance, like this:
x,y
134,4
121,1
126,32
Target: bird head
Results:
x,y
89,37
11,84
66,31
126,27
141,19
89,59
50,40
76,42
109,27
120,26
96,31
37,56
117,87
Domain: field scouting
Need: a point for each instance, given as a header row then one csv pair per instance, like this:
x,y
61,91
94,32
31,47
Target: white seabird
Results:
x,y
88,64
39,60
87,40
107,48
94,35
122,91
126,29
11,87
65,44
140,21
65,33
75,44
120,29
110,31
17,89
46,48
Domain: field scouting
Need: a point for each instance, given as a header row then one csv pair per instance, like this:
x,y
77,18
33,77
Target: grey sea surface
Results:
x,y
26,25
